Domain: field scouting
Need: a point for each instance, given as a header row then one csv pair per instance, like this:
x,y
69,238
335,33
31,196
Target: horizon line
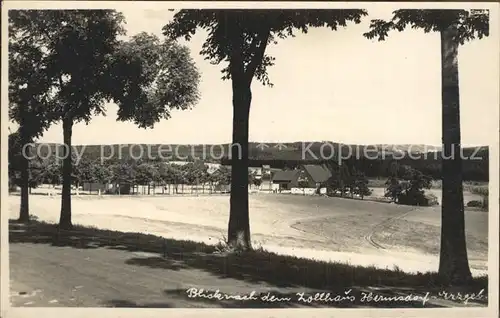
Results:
x,y
264,142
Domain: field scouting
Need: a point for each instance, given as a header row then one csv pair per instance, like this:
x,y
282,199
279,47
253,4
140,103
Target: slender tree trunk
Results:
x,y
65,218
239,221
24,213
453,261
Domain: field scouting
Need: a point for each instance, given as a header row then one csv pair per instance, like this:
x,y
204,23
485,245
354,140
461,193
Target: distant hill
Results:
x,y
373,160
257,151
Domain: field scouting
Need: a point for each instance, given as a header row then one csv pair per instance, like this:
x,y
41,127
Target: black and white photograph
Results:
x,y
274,156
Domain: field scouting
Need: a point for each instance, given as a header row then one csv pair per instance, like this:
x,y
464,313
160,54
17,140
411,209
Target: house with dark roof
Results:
x,y
316,175
306,176
286,179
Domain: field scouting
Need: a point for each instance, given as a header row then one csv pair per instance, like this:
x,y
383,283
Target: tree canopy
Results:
x,y
81,63
245,34
30,98
76,49
155,77
471,24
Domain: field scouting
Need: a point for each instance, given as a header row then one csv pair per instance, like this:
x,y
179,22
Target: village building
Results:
x,y
307,178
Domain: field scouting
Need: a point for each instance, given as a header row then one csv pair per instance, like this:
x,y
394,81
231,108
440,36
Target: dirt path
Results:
x,y
380,226
48,276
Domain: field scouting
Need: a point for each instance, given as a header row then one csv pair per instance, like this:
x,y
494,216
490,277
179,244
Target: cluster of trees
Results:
x,y
484,193
407,186
64,65
70,62
130,172
347,180
431,165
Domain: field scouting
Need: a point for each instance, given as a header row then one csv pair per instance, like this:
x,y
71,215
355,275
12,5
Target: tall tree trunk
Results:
x,y
65,218
453,261
239,221
24,213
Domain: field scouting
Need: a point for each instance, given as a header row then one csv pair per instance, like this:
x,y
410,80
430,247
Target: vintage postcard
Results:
x,y
338,158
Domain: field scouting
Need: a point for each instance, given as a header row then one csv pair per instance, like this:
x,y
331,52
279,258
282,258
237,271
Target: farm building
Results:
x,y
305,177
93,187
123,188
266,183
107,188
286,179
316,175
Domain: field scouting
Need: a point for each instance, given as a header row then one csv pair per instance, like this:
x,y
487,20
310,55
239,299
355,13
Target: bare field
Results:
x,y
354,231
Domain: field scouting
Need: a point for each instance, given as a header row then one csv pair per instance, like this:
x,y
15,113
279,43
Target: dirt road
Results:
x,y
45,276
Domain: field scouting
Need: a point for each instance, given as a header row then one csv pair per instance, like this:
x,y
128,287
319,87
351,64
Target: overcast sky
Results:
x,y
335,86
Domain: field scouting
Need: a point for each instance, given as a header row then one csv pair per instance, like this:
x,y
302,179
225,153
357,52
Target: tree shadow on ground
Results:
x,y
131,304
256,267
